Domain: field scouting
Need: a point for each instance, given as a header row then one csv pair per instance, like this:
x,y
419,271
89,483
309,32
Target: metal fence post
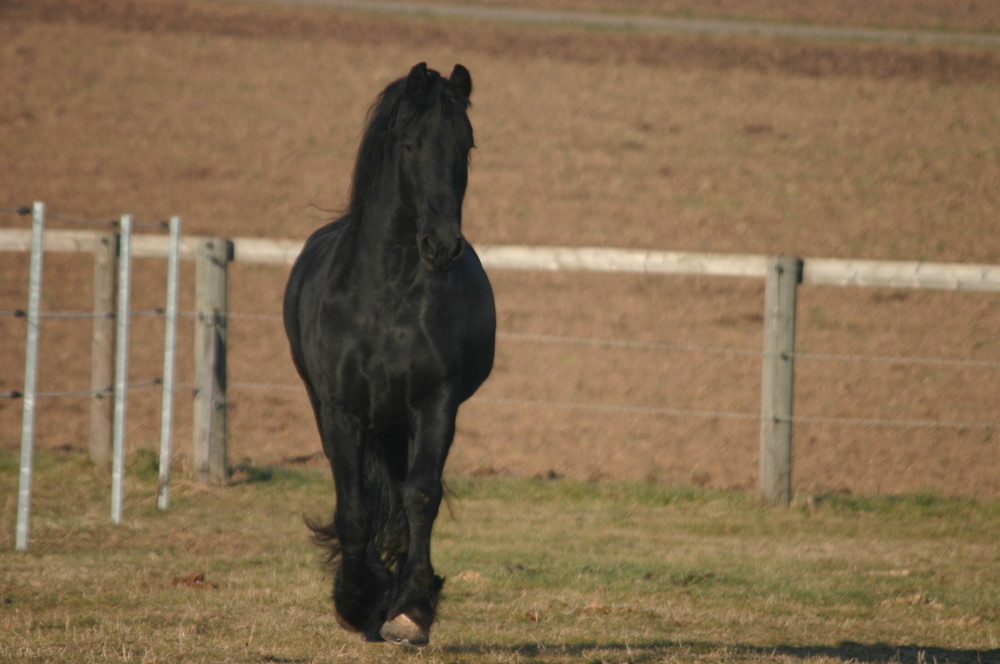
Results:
x,y
211,303
169,355
780,289
121,369
30,377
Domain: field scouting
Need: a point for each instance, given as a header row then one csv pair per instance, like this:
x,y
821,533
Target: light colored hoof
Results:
x,y
402,630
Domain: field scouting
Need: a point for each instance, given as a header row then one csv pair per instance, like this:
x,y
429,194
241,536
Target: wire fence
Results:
x,y
599,343
609,343
26,211
112,318
894,417
588,347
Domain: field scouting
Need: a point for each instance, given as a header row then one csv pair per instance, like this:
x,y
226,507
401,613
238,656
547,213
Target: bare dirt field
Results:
x,y
244,119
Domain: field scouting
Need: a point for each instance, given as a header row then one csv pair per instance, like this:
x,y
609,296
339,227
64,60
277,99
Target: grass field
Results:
x,y
538,571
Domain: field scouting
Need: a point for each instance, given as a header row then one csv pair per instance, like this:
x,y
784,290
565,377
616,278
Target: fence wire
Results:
x,y
109,223
598,343
20,313
109,389
607,343
20,211
685,348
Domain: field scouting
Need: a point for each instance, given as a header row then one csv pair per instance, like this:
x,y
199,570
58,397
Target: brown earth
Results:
x,y
244,118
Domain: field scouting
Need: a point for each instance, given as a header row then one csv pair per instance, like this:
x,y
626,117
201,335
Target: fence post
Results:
x,y
102,349
122,322
211,304
169,361
780,289
30,377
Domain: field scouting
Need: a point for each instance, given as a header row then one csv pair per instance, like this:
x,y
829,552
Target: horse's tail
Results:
x,y
324,535
389,534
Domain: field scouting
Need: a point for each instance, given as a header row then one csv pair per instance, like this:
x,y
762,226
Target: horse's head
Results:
x,y
434,140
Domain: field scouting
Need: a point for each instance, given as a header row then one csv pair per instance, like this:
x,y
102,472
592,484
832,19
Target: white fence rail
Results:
x,y
816,271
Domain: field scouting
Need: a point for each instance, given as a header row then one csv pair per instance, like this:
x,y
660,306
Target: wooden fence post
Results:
x,y
102,350
211,304
780,289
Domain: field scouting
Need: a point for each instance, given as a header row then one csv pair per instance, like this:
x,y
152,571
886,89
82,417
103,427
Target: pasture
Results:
x,y
538,571
645,545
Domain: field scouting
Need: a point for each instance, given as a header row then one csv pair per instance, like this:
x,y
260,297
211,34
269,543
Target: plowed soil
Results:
x,y
244,119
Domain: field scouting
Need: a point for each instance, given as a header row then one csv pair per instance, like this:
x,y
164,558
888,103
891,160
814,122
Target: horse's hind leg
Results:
x,y
361,582
418,587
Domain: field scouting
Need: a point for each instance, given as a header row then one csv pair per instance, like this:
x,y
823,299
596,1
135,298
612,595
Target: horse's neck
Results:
x,y
386,239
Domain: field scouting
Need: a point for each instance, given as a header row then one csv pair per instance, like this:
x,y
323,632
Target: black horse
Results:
x,y
392,324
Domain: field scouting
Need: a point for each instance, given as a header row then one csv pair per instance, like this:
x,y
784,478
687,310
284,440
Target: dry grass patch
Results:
x,y
539,571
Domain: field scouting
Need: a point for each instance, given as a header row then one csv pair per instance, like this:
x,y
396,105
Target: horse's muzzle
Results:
x,y
438,255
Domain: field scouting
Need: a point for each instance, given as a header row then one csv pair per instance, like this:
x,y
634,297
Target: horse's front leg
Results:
x,y
417,589
361,582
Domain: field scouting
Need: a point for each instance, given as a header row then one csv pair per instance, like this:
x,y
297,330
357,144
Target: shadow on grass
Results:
x,y
658,651
248,473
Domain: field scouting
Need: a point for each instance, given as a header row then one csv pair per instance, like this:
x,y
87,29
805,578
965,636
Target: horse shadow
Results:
x,y
658,651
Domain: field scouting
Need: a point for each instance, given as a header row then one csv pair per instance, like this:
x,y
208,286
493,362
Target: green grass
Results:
x,y
539,571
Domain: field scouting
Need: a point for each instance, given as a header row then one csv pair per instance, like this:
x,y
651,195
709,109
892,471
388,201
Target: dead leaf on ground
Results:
x,y
595,608
193,581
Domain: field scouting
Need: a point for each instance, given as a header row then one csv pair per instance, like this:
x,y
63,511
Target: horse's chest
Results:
x,y
393,354
385,358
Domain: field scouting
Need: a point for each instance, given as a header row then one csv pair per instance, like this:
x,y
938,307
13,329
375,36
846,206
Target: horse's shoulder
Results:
x,y
321,246
327,233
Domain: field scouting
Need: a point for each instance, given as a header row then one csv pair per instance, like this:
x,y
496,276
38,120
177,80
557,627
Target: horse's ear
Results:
x,y
462,81
416,82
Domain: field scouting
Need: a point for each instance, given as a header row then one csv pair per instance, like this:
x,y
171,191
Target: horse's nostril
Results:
x,y
437,254
425,246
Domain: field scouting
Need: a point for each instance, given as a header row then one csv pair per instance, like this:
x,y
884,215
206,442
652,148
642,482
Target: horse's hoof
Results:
x,y
402,630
